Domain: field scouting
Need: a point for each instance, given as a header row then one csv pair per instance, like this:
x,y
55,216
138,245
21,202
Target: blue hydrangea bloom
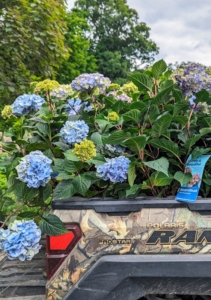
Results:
x,y
86,82
74,105
191,100
34,169
74,132
27,103
114,169
20,240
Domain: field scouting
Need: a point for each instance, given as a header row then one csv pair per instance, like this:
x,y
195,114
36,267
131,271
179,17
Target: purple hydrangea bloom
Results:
x,y
121,97
20,240
192,78
74,132
114,169
74,105
34,169
25,104
86,82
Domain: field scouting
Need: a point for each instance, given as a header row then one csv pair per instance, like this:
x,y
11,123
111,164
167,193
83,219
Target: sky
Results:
x,y
180,28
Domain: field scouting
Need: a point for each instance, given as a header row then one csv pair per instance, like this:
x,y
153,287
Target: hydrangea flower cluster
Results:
x,y
129,87
27,103
121,97
46,85
193,78
114,169
20,240
86,82
62,91
113,116
85,150
6,111
34,169
74,131
74,105
114,87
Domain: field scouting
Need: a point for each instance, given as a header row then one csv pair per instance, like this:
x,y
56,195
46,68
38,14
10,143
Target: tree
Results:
x,y
31,42
118,40
80,61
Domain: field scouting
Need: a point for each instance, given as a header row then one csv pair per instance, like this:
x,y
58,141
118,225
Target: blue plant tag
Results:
x,y
189,192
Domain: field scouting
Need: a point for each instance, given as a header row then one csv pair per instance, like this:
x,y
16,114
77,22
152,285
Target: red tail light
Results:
x,y
58,247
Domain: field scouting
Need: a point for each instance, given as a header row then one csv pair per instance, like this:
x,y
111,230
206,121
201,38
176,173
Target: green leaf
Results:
x,y
52,225
183,178
136,143
191,141
202,96
153,113
49,153
141,81
43,128
97,139
133,189
28,215
71,156
64,189
166,145
62,145
116,137
164,96
160,165
81,184
161,125
161,179
177,94
63,176
138,105
159,68
205,131
197,152
131,174
7,201
22,192
180,119
45,192
132,115
181,106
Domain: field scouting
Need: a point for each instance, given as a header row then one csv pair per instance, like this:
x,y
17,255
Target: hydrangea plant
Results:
x,y
102,140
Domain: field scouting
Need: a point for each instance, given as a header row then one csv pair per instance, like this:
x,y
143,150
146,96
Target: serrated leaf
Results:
x,y
161,125
97,139
166,145
180,119
116,137
202,96
153,113
45,192
141,81
197,152
191,141
164,96
131,174
181,106
177,94
183,178
133,189
81,184
28,215
43,128
63,176
70,155
160,165
159,68
132,115
136,143
205,131
49,153
52,225
161,179
62,145
138,105
64,189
